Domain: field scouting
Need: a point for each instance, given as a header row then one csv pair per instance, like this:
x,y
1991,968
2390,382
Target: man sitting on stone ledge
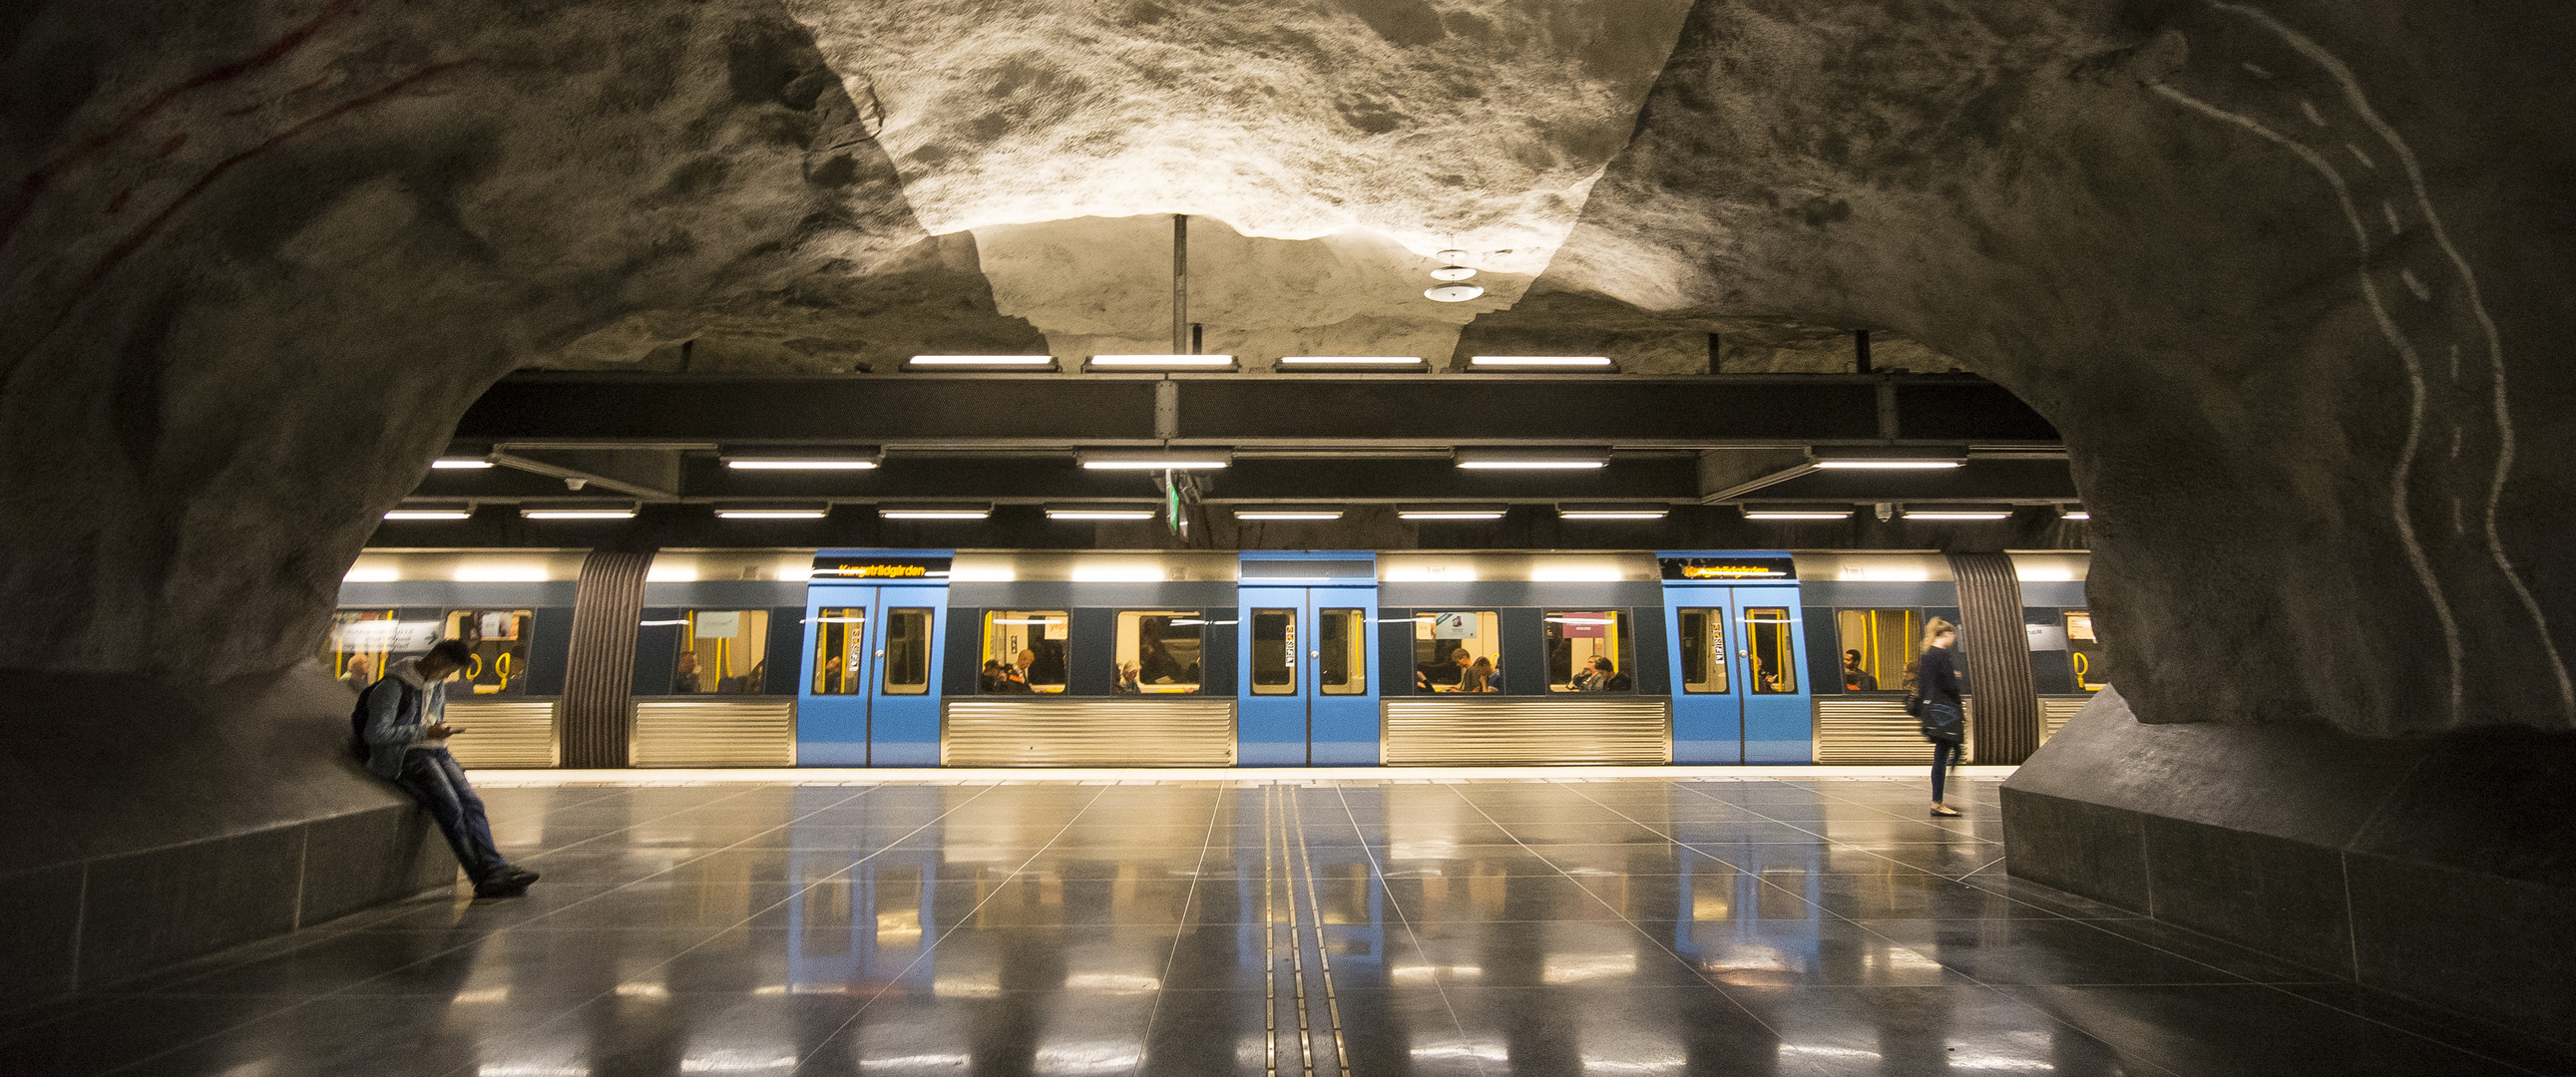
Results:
x,y
402,728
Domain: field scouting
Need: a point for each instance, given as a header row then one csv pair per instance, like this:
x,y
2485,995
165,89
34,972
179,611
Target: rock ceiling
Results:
x,y
1326,153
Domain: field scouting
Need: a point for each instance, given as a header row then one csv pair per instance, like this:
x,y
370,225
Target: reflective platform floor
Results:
x,y
1375,925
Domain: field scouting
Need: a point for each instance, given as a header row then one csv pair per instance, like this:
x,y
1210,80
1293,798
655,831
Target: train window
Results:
x,y
723,651
1159,651
1023,651
1580,644
1341,643
1775,662
1703,633
840,650
363,642
1274,652
907,651
1878,646
1446,646
500,642
2092,664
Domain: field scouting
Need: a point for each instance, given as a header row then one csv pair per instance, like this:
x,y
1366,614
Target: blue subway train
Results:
x,y
923,658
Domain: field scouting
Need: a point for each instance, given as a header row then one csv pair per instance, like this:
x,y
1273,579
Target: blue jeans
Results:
x,y
432,777
1944,753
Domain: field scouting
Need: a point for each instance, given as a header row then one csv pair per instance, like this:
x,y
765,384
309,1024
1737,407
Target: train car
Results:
x,y
908,658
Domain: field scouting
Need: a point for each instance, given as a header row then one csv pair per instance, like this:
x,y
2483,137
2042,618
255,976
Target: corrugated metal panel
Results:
x,y
736,732
503,733
1994,652
1086,732
599,671
1503,731
2055,710
1857,732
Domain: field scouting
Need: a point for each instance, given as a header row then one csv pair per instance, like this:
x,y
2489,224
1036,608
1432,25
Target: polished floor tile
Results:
x,y
1267,926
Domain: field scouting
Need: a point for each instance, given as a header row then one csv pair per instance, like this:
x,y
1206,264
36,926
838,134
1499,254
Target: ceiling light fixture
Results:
x,y
1958,514
934,512
861,461
1516,459
600,513
1350,360
1287,514
1162,361
1887,458
1452,273
1102,513
1537,362
1187,461
982,360
459,463
1886,465
430,514
1613,512
2076,514
807,512
1451,512
1796,514
1453,255
1453,293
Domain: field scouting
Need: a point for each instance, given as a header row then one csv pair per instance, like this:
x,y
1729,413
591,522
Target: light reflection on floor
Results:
x,y
1377,923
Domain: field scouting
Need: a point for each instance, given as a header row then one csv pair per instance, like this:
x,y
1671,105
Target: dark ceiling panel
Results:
x,y
1451,409
742,410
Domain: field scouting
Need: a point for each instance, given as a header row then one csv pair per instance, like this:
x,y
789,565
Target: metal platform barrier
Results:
x,y
1525,730
1866,730
723,731
1183,731
504,733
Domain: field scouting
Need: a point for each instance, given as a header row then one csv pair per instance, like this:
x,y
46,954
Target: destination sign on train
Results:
x,y
1728,568
843,567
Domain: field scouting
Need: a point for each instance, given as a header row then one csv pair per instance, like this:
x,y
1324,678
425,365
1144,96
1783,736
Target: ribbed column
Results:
x,y
599,677
1997,653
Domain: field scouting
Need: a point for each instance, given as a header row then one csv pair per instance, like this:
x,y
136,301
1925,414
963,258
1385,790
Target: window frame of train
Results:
x,y
1128,645
909,655
1038,622
1743,602
1890,670
1614,625
1428,656
749,623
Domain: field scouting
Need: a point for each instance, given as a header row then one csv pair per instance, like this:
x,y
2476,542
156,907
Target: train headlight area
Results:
x,y
851,657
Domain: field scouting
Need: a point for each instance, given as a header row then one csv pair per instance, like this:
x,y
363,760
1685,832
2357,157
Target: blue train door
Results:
x,y
1736,641
1310,676
872,662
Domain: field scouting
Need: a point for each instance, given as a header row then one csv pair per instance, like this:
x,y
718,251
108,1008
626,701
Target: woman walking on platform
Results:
x,y
1936,691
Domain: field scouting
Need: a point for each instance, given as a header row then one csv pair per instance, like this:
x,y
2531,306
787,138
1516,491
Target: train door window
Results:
x,y
1703,641
1446,646
1160,652
500,642
2092,665
1877,646
1024,652
363,642
723,651
1274,652
1341,641
907,651
1580,644
1775,662
840,650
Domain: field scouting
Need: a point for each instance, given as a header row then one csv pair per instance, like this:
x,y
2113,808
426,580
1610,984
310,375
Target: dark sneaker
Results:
x,y
506,884
519,875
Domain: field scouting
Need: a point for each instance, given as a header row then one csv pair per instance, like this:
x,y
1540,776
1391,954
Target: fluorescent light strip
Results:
x,y
1797,515
1174,464
1449,515
801,465
1885,465
1513,465
578,514
1640,514
1259,515
454,463
1910,515
1100,514
428,514
1350,360
1538,360
935,514
983,360
770,514
2078,514
1162,360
